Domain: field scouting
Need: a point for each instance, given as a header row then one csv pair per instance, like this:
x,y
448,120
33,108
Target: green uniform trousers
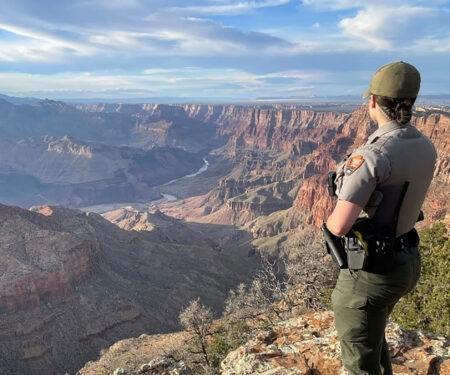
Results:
x,y
362,302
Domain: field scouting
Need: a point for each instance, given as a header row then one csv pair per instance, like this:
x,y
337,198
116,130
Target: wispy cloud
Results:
x,y
226,7
210,82
36,45
145,45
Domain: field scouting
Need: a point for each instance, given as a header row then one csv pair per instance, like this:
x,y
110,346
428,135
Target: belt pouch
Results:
x,y
355,259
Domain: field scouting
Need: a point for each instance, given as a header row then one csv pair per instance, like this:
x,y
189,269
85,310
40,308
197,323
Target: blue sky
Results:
x,y
233,49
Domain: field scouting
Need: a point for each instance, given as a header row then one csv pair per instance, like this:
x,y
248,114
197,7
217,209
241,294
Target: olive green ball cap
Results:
x,y
395,80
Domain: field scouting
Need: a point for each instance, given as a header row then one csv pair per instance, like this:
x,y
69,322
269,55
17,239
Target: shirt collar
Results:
x,y
386,128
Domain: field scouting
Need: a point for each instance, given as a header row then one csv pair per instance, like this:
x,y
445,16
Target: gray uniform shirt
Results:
x,y
374,174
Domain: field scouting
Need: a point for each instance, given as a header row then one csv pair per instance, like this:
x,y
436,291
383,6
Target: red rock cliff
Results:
x,y
313,195
311,143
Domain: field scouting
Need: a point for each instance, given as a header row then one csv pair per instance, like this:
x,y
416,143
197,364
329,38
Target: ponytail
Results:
x,y
398,109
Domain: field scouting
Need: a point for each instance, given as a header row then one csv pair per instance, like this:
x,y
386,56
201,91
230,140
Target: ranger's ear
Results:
x,y
373,102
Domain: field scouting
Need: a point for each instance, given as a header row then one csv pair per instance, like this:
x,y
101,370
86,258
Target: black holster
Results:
x,y
335,247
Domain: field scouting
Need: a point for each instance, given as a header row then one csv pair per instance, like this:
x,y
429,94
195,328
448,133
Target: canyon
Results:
x,y
74,282
282,159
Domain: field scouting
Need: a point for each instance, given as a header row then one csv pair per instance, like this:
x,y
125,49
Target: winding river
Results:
x,y
102,208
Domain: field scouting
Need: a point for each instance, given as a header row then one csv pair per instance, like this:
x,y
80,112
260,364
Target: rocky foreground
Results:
x,y
308,345
304,345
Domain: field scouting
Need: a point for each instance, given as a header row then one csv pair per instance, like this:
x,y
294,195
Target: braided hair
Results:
x,y
398,109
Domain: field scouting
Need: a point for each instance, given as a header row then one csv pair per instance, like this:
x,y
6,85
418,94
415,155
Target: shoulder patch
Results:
x,y
353,164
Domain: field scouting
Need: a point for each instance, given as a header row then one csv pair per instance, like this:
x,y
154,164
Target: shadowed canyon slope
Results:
x,y
142,126
46,170
53,153
72,283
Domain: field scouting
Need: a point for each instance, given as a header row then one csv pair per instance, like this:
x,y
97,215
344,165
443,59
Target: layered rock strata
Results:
x,y
72,283
47,170
298,147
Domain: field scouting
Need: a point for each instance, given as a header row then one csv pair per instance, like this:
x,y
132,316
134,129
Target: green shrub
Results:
x,y
427,307
226,338
325,298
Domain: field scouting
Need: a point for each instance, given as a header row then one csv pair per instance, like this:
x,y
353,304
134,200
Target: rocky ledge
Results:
x,y
308,345
159,366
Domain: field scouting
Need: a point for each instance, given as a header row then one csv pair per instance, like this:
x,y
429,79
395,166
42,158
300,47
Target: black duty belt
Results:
x,y
409,239
372,254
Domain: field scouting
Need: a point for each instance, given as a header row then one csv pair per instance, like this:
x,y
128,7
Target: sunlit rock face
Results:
x,y
308,344
295,148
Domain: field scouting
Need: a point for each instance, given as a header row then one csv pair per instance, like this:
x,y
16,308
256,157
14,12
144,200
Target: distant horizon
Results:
x,y
317,100
184,99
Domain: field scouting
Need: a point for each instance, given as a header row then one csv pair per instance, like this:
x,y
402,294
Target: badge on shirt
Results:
x,y
353,164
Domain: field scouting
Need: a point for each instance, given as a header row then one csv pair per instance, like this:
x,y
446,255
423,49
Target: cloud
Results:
x,y
432,44
403,25
354,4
100,28
172,82
334,4
387,27
35,45
141,46
226,7
121,28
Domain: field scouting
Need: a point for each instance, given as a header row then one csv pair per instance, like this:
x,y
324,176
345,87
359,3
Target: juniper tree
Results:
x,y
198,319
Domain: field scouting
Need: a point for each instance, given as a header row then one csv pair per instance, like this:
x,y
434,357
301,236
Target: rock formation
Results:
x,y
159,366
41,263
141,126
72,283
47,170
308,344
265,145
134,353
295,148
303,345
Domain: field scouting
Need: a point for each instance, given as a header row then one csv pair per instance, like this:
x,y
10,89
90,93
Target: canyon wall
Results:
x,y
298,147
72,283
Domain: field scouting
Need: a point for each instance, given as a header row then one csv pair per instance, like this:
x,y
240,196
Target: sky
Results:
x,y
217,49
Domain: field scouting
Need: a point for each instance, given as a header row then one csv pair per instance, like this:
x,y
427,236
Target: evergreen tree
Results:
x,y
427,307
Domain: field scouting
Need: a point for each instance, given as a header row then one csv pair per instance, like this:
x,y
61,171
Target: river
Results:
x,y
201,170
143,206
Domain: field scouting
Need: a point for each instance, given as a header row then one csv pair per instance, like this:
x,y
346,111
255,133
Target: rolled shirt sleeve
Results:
x,y
363,171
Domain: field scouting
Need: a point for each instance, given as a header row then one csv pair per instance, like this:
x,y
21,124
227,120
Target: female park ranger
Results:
x,y
385,181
